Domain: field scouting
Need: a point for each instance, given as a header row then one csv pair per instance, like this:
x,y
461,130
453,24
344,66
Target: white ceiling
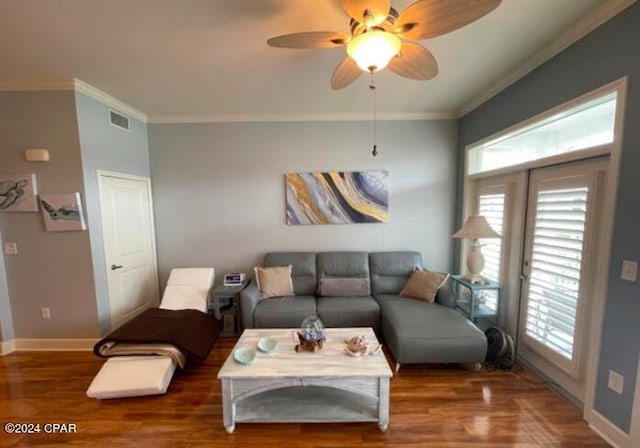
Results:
x,y
208,59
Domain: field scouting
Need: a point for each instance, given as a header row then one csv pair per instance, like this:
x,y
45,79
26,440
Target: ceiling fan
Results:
x,y
379,36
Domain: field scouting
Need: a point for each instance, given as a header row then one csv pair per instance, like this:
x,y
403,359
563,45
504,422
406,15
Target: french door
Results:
x,y
501,199
560,239
548,218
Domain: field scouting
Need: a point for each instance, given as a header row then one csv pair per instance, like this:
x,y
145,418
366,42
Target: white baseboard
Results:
x,y
54,344
7,347
614,436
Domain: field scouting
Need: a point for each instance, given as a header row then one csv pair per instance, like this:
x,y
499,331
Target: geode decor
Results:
x,y
311,336
308,346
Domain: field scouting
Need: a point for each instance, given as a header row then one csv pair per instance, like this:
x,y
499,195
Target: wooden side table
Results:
x,y
224,304
469,298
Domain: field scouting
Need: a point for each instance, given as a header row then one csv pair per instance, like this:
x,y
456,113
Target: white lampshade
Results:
x,y
373,50
475,228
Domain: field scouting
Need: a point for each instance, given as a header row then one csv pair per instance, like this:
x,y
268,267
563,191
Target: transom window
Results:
x,y
587,125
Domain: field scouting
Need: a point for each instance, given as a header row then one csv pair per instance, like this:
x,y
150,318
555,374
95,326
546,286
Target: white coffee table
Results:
x,y
289,387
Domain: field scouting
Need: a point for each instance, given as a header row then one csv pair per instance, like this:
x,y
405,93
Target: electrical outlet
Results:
x,y
10,249
46,313
616,382
629,270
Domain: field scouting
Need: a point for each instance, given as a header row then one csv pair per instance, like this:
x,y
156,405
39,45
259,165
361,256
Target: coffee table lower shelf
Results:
x,y
305,403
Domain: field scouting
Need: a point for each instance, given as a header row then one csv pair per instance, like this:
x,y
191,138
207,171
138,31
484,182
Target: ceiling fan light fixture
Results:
x,y
373,50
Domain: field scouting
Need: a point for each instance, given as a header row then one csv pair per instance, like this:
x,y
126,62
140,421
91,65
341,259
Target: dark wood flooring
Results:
x,y
431,406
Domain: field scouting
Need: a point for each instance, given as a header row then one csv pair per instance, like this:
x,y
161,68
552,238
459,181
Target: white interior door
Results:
x,y
129,245
558,270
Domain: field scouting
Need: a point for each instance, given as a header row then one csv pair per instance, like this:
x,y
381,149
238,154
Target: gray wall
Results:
x,y
52,269
6,322
219,189
106,147
606,54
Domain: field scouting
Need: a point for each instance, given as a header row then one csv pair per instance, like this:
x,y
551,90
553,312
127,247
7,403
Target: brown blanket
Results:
x,y
190,331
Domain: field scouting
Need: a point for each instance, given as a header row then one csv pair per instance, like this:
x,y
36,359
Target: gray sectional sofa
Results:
x,y
360,289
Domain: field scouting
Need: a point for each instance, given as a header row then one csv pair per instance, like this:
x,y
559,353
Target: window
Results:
x,y
587,125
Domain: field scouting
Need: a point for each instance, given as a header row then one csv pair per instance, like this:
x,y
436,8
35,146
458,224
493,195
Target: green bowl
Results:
x,y
267,345
244,355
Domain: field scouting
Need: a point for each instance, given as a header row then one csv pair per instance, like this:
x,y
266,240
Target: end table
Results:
x,y
224,304
470,298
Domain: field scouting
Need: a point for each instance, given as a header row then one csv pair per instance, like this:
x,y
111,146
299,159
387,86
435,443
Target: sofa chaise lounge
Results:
x,y
360,289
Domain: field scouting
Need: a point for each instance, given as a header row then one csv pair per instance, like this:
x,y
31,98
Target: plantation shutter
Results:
x,y
491,206
556,262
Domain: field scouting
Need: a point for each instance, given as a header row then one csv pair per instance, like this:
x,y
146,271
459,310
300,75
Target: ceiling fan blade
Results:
x,y
369,12
414,62
345,73
309,40
430,18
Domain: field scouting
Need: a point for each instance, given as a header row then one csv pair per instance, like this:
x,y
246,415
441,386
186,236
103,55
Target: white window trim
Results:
x,y
608,213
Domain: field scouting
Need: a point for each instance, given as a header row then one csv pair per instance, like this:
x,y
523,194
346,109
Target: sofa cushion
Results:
x,y
283,312
390,270
423,285
274,281
303,273
340,286
420,332
343,264
349,312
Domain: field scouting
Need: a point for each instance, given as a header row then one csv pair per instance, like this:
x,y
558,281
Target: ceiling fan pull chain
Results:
x,y
372,87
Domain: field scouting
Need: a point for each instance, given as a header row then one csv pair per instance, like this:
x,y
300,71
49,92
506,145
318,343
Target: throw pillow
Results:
x,y
423,285
274,281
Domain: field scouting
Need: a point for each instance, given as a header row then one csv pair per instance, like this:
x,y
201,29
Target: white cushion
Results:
x,y
188,288
132,376
182,297
191,276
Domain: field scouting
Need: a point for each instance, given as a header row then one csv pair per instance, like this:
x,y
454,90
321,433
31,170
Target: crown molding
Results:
x,y
105,98
33,85
581,28
246,118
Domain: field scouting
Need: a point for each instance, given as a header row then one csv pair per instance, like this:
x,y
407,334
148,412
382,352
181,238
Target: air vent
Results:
x,y
118,120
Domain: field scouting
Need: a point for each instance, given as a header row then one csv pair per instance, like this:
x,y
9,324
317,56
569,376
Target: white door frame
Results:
x,y
602,281
114,174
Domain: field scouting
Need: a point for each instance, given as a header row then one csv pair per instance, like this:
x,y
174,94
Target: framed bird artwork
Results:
x,y
18,193
62,212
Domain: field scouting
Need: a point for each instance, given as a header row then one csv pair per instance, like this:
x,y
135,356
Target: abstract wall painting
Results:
x,y
18,193
337,197
62,212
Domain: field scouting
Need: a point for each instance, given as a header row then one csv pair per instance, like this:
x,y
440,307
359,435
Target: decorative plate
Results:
x,y
267,344
244,355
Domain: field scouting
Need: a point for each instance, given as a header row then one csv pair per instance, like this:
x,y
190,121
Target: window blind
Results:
x,y
491,206
554,278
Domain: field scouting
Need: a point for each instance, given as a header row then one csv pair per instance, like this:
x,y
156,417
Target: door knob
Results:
x,y
115,266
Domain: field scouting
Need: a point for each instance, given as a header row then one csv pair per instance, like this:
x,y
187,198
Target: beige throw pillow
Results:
x,y
423,285
274,282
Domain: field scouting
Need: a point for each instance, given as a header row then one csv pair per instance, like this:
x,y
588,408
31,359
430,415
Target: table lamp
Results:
x,y
474,229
